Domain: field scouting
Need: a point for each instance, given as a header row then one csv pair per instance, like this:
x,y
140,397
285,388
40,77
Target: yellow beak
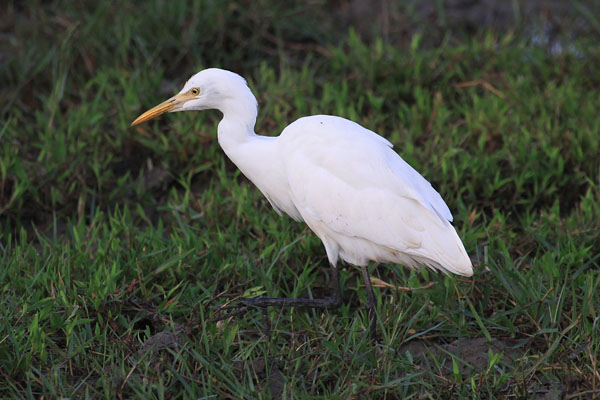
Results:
x,y
164,107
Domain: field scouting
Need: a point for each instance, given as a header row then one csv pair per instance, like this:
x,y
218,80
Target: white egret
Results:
x,y
345,182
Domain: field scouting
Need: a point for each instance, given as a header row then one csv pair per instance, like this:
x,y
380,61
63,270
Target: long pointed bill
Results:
x,y
164,107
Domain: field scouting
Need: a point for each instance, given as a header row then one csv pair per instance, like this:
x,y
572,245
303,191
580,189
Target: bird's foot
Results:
x,y
222,315
262,302
372,320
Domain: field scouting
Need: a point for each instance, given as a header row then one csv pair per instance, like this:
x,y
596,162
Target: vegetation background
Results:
x,y
117,244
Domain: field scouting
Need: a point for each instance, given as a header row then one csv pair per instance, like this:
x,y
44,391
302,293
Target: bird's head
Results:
x,y
211,88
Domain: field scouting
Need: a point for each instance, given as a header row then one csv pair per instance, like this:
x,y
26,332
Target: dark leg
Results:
x,y
335,301
371,312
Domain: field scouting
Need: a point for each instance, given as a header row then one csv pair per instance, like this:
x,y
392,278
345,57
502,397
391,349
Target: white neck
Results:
x,y
239,118
247,150
257,157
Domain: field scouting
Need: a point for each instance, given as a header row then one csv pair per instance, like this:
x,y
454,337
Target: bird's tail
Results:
x,y
445,252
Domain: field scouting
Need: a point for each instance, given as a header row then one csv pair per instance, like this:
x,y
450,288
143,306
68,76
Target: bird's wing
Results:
x,y
350,179
325,147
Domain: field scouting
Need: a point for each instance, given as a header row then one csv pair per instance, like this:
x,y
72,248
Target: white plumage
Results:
x,y
355,193
363,200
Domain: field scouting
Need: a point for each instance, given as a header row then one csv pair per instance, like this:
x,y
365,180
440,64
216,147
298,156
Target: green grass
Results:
x,y
117,243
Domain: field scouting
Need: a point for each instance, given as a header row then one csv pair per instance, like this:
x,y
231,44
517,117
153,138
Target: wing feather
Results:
x,y
349,179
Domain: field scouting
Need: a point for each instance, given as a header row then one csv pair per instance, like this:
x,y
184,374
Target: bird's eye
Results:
x,y
195,91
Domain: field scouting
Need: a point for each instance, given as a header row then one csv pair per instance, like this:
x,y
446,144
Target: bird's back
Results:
x,y
363,200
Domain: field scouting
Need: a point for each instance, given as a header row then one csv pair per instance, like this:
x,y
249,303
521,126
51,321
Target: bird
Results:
x,y
364,202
